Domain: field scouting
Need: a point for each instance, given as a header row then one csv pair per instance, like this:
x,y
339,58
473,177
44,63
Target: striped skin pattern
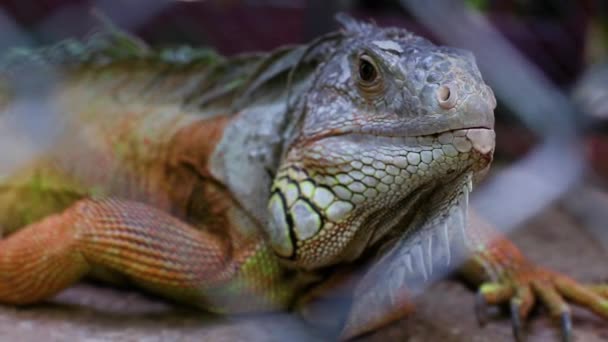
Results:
x,y
254,183
156,251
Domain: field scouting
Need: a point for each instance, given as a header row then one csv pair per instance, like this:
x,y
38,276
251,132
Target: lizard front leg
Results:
x,y
155,250
504,275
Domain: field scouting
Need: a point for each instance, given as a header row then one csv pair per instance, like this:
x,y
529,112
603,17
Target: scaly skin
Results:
x,y
265,182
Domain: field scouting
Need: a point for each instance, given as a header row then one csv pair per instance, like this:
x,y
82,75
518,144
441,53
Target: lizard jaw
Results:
x,y
435,236
425,244
321,201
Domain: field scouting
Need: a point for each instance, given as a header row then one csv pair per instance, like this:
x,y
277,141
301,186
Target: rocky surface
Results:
x,y
445,311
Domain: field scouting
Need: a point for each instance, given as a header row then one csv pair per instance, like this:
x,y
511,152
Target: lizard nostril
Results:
x,y
446,97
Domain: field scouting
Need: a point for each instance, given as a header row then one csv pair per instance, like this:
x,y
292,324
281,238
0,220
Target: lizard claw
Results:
x,y
521,305
566,324
523,287
516,320
481,309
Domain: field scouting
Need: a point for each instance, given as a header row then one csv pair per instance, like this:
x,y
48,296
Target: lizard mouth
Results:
x,y
476,139
396,134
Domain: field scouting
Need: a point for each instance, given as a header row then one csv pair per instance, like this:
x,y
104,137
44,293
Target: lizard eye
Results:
x,y
369,75
367,69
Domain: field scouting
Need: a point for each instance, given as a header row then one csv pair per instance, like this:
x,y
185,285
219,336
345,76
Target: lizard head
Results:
x,y
391,124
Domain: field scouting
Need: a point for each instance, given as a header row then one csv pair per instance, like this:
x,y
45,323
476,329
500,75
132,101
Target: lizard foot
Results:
x,y
522,288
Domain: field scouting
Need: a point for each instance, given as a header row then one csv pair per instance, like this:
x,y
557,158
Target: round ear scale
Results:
x,y
353,25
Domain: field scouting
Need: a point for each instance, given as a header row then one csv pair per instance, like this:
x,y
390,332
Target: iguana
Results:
x,y
263,181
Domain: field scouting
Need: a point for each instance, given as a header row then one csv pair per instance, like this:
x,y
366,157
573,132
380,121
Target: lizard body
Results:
x,y
248,183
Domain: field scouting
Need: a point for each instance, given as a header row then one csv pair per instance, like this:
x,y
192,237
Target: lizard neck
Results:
x,y
248,155
247,158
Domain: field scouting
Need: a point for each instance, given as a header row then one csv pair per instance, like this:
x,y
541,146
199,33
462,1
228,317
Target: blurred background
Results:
x,y
547,61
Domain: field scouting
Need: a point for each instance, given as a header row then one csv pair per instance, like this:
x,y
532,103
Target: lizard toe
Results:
x,y
557,306
519,296
590,297
601,290
490,293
